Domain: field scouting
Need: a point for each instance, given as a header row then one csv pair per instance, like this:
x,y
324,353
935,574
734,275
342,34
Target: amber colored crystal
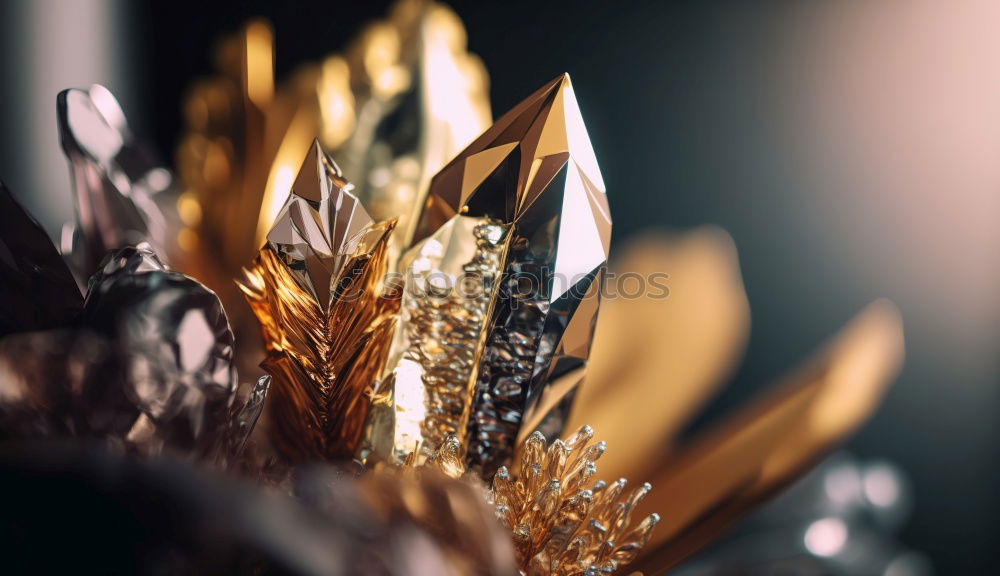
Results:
x,y
398,103
534,176
317,290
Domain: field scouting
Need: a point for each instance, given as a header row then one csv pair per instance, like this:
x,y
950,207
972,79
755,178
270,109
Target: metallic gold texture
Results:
x,y
535,172
223,157
317,290
402,100
560,522
743,461
427,388
659,357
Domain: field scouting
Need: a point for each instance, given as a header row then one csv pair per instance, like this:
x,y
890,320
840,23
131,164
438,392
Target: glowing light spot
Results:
x,y
826,537
881,486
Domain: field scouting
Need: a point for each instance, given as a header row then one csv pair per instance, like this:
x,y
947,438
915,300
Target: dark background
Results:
x,y
852,151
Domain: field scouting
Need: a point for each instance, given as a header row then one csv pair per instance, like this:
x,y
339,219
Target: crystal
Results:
x,y
317,288
37,290
560,521
451,278
175,350
116,180
402,98
534,177
319,226
148,365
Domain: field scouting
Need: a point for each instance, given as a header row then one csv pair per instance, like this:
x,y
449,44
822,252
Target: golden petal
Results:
x,y
734,466
657,360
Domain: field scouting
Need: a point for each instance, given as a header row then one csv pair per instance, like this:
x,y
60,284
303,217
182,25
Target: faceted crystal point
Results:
x,y
317,288
319,226
37,290
115,179
534,173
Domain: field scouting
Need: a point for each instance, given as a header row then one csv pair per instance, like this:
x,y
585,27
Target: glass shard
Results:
x,y
37,290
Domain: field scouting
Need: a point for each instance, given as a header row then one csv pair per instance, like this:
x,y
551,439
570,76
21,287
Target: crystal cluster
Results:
x,y
561,523
439,344
402,98
145,360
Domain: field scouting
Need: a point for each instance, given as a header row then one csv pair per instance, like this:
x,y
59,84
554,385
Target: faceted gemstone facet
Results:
x,y
175,350
319,226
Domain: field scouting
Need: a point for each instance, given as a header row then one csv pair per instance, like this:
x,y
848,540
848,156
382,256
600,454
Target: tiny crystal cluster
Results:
x,y
560,521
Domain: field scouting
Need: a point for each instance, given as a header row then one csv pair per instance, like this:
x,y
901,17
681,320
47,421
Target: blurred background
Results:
x,y
852,149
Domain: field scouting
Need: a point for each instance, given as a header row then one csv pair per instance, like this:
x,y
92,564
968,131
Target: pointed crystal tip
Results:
x,y
320,225
91,122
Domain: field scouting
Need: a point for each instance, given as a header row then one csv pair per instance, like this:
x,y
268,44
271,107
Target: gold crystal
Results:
x,y
451,279
403,99
561,523
534,177
317,290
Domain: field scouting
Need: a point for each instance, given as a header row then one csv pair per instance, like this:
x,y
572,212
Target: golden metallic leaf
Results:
x,y
659,356
325,315
741,462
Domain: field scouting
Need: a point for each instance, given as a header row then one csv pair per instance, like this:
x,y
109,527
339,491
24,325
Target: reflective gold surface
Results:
x,y
533,171
399,103
561,523
743,461
660,357
317,290
427,389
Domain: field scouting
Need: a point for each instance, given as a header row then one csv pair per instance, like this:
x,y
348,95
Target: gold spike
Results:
x,y
561,523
